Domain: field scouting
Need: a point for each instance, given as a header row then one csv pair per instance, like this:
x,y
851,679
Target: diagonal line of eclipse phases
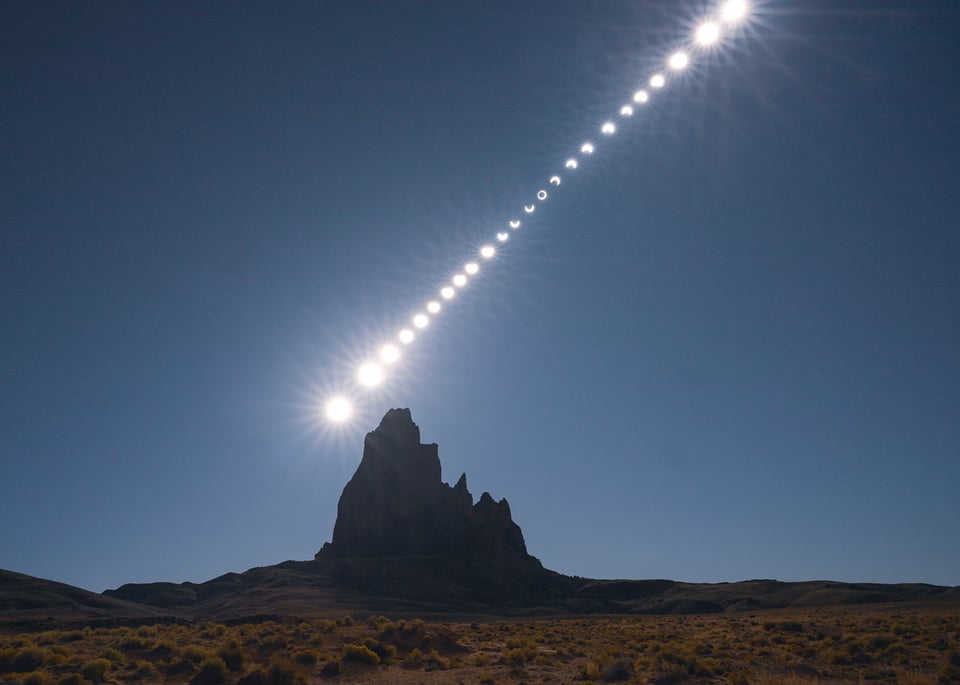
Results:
x,y
371,373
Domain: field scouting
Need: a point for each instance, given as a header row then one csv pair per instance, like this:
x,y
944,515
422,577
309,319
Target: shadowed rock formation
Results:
x,y
404,542
396,505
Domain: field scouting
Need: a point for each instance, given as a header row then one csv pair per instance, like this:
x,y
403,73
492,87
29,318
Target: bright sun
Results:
x,y
338,409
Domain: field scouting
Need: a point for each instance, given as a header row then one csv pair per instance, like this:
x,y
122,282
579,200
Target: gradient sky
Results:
x,y
728,349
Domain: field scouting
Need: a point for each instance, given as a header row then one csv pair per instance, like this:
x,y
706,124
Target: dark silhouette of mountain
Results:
x,y
405,542
402,532
401,535
24,596
396,505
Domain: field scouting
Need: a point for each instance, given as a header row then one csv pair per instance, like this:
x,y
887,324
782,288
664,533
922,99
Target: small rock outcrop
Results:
x,y
397,506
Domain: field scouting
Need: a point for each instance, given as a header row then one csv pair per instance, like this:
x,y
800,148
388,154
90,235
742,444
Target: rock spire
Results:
x,y
396,505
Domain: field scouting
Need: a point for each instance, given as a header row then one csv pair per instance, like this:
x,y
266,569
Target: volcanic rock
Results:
x,y
396,505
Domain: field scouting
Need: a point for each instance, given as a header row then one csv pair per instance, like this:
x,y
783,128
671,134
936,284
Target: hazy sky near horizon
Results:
x,y
725,348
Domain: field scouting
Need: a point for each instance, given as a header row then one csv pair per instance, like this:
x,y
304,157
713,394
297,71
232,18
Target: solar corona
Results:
x,y
706,35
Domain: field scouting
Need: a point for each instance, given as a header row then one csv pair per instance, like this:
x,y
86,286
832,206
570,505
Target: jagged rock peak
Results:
x,y
396,505
394,460
398,425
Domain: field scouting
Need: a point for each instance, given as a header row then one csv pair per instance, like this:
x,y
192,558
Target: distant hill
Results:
x,y
407,543
26,597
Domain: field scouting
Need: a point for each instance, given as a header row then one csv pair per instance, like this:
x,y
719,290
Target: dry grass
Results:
x,y
815,647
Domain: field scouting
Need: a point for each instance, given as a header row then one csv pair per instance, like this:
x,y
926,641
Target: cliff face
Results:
x,y
396,505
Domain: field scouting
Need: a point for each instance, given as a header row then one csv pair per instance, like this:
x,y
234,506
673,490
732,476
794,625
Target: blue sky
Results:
x,y
725,348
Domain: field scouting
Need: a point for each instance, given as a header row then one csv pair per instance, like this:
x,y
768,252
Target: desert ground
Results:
x,y
876,644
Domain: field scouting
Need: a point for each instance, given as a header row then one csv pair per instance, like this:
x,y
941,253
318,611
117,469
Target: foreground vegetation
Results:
x,y
819,646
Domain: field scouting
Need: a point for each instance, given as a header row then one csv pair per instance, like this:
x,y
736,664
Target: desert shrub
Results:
x,y
112,654
617,670
345,620
71,636
255,677
6,660
307,657
36,678
481,659
233,656
330,669
678,660
383,651
487,679
213,671
878,643
375,621
48,637
55,659
360,654
897,652
179,668
671,675
134,643
162,649
26,660
213,630
514,657
194,654
837,658
144,668
414,627
96,670
73,679
589,671
284,673
274,643
432,661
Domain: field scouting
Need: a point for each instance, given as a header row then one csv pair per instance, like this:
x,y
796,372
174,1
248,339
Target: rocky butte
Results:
x,y
396,505
398,524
